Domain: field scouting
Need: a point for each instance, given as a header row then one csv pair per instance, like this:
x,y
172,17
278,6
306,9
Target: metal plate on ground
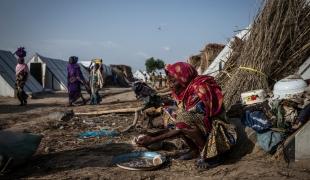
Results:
x,y
143,160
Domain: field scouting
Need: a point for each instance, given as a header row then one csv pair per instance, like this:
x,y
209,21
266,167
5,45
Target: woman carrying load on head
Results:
x,y
96,83
21,76
200,116
75,79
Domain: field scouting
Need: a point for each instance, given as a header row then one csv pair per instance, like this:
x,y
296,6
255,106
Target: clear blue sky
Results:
x,y
121,31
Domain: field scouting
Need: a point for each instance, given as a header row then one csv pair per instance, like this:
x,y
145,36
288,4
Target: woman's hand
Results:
x,y
145,140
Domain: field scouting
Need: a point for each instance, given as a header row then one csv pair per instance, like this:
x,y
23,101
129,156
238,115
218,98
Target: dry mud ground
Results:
x,y
61,155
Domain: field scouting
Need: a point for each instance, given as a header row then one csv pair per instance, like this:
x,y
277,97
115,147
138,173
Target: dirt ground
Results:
x,y
62,155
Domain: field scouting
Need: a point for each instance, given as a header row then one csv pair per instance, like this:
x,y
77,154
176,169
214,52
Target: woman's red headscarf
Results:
x,y
196,88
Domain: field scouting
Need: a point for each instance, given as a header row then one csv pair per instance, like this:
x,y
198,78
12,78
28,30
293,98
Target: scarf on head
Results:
x,y
196,88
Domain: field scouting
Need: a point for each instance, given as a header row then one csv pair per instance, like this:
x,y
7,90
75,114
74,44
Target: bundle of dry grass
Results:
x,y
203,60
231,63
126,70
208,54
278,44
195,61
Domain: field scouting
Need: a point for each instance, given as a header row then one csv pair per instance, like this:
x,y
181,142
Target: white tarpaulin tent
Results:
x,y
139,75
51,73
223,56
304,69
7,76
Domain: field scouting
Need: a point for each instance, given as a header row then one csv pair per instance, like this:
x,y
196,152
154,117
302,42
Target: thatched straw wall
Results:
x,y
195,60
202,61
231,63
278,44
208,54
126,70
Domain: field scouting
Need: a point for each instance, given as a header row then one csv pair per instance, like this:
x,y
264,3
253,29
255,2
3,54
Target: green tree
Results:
x,y
150,65
160,64
153,64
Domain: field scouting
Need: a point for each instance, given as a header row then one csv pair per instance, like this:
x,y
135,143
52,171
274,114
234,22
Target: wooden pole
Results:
x,y
125,110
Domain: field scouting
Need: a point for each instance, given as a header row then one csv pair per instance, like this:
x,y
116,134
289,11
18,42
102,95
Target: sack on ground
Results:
x,y
256,120
269,140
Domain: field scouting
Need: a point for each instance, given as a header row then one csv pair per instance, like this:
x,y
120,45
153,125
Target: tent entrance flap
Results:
x,y
36,71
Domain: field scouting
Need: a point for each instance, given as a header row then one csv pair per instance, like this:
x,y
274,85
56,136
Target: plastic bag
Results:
x,y
256,120
269,140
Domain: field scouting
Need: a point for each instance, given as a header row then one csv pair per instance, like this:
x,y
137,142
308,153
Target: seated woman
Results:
x,y
198,119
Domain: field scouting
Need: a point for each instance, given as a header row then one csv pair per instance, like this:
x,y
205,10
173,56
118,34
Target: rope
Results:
x,y
226,73
252,70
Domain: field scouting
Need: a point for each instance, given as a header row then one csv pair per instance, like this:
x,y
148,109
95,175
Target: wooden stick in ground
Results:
x,y
135,120
125,110
137,111
165,93
163,90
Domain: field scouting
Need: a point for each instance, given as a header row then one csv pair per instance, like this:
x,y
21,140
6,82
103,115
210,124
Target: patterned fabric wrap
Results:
x,y
219,140
96,79
96,83
21,79
196,89
21,68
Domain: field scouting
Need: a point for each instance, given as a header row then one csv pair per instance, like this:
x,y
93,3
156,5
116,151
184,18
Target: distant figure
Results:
x,y
153,79
75,79
91,67
160,79
96,61
145,77
165,81
21,76
96,83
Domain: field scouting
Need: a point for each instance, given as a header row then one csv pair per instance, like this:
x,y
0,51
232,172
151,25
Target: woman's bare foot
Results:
x,y
207,164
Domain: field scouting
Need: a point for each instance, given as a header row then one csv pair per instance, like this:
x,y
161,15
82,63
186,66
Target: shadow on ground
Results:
x,y
94,156
15,108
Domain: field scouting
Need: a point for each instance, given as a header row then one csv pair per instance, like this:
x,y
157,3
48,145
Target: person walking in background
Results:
x,y
160,80
145,77
165,81
90,69
96,83
75,79
153,79
21,76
